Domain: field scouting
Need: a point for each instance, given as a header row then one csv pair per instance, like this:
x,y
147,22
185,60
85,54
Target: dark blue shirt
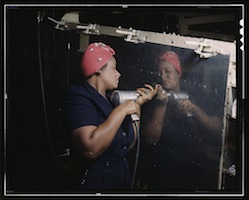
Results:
x,y
185,158
85,106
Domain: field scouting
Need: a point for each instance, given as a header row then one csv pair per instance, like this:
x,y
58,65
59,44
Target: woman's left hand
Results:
x,y
186,106
146,94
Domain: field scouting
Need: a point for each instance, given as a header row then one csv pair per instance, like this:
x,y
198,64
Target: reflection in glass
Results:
x,y
182,134
181,137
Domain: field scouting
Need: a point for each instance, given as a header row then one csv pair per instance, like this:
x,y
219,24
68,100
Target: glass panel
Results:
x,y
184,154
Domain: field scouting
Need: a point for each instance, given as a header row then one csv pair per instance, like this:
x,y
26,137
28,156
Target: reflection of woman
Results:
x,y
176,137
102,135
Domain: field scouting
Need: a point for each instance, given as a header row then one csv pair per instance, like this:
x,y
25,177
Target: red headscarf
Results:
x,y
172,58
95,57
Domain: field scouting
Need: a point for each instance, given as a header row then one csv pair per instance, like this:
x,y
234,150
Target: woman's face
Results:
x,y
110,75
170,78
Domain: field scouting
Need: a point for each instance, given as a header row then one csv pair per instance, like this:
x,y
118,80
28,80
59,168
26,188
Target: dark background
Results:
x,y
39,67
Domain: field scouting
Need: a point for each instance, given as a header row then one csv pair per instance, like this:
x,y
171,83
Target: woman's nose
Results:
x,y
164,75
118,74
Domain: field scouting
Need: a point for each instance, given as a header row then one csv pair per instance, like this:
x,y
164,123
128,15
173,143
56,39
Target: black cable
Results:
x,y
68,58
137,154
197,136
193,123
42,86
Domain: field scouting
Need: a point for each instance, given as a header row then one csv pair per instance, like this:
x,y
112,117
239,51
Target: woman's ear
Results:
x,y
98,72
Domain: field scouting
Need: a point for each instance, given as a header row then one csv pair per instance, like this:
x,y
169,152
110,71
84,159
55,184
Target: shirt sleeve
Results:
x,y
79,110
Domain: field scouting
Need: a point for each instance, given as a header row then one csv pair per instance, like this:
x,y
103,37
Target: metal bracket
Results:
x,y
204,49
67,153
132,35
87,29
60,25
231,171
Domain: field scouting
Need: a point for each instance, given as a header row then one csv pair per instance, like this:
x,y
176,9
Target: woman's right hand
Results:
x,y
146,93
162,94
130,107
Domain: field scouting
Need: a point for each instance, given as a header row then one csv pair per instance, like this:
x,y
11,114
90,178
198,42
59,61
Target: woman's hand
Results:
x,y
162,95
129,107
186,106
146,94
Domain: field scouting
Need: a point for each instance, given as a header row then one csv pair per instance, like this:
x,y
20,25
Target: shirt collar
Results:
x,y
96,95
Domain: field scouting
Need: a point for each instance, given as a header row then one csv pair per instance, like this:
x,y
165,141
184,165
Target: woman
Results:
x,y
181,139
102,135
170,72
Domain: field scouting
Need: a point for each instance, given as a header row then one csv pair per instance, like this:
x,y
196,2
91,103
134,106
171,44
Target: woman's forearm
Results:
x,y
213,123
153,128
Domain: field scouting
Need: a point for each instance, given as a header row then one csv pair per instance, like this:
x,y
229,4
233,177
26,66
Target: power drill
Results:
x,y
120,96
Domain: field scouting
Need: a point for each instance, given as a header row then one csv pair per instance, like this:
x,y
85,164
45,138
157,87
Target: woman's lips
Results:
x,y
166,82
